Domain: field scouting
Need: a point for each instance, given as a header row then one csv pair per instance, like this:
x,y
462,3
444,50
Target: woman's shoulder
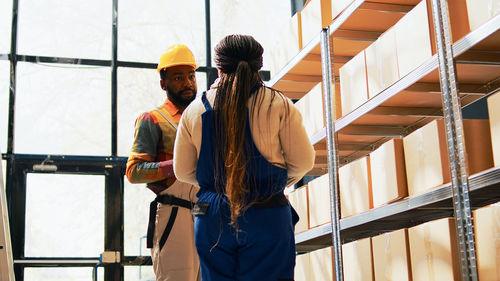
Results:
x,y
195,108
275,97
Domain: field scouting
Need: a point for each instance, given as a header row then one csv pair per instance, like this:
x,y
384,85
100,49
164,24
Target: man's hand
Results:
x,y
167,168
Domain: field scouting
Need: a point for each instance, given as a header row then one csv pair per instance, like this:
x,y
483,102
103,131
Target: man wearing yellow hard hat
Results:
x,y
170,231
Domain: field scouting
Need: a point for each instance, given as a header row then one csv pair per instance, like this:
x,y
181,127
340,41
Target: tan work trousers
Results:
x,y
177,260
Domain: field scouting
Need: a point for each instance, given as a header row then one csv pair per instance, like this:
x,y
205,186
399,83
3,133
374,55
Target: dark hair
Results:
x,y
238,58
163,74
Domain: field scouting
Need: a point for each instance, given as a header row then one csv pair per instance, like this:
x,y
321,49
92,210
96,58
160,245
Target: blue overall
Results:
x,y
264,247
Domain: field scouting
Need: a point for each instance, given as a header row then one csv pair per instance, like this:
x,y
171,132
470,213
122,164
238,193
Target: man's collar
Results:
x,y
171,108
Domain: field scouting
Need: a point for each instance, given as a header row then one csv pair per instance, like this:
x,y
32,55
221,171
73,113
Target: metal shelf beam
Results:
x,y
405,213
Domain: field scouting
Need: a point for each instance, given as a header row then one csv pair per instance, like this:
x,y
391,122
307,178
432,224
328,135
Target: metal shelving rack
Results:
x,y
444,81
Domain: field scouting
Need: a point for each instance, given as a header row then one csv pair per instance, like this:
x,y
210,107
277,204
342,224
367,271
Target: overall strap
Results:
x,y
204,99
166,199
167,118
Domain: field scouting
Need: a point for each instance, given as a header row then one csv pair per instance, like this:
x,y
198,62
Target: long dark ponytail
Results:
x,y
238,59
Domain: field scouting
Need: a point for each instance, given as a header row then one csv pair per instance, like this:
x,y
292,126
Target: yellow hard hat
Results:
x,y
177,54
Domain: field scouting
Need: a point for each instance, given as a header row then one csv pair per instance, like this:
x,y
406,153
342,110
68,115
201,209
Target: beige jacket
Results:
x,y
282,141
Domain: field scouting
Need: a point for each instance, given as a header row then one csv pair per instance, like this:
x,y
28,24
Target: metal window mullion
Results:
x,y
328,98
455,140
211,75
16,203
114,66
114,219
15,181
12,81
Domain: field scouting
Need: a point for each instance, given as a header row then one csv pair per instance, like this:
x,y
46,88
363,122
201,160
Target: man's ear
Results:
x,y
162,84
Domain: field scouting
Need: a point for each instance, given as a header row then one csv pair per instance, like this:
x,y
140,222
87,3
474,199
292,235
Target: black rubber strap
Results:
x,y
167,200
151,224
169,226
175,201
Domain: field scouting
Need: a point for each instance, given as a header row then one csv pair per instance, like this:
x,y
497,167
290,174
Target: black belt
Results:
x,y
275,200
260,202
167,200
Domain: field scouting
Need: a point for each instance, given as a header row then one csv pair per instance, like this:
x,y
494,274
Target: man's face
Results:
x,y
180,84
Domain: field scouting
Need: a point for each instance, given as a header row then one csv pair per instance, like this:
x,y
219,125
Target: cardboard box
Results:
x,y
311,108
319,201
388,174
338,6
391,256
433,251
303,269
467,15
413,39
487,233
382,63
426,154
287,45
322,265
478,145
494,114
311,21
298,200
480,11
357,260
355,187
353,85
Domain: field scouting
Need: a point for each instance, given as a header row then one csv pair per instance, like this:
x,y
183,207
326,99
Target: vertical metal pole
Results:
x,y
211,75
329,101
12,86
113,221
16,203
114,59
455,140
15,181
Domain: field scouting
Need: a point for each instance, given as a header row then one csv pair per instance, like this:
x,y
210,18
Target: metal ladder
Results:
x,y
6,260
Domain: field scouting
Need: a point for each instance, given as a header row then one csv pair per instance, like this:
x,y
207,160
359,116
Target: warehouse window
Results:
x,y
5,21
60,274
147,28
4,103
136,206
62,110
140,273
78,29
249,17
64,215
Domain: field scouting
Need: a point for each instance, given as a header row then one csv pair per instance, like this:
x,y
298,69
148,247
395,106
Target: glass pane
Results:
x,y
72,225
80,29
3,170
66,110
139,91
4,103
136,204
258,18
147,28
139,273
5,25
61,274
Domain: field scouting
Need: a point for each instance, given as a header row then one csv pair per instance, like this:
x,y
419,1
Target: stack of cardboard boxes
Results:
x,y
402,167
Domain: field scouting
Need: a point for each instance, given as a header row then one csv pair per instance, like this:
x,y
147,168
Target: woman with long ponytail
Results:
x,y
242,143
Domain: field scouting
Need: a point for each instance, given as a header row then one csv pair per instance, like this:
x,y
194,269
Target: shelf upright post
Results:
x,y
455,140
329,102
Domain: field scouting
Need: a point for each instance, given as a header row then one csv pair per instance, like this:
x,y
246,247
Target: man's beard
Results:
x,y
178,98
